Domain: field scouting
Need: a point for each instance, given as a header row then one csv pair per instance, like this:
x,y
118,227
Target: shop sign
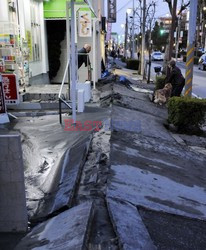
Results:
x,y
85,24
111,11
10,89
29,42
109,31
2,102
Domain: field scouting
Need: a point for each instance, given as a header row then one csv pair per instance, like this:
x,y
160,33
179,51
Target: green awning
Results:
x,y
57,8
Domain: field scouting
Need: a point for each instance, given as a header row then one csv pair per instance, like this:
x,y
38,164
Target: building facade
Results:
x,y
23,20
36,24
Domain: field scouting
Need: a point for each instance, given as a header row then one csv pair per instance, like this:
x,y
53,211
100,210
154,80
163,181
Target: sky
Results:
x,y
123,5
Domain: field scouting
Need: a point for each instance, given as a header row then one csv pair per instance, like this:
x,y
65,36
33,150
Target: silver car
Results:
x,y
157,56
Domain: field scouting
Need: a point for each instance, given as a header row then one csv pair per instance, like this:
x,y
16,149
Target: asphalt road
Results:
x,y
199,78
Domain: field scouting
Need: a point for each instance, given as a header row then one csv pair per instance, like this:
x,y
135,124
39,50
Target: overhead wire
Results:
x,y
124,6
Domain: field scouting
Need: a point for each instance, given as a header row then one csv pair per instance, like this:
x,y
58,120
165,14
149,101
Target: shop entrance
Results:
x,y
57,55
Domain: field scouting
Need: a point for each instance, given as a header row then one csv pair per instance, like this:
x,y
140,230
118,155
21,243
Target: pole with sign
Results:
x,y
73,62
112,12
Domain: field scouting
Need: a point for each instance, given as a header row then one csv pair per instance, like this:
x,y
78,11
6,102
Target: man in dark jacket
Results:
x,y
83,56
176,79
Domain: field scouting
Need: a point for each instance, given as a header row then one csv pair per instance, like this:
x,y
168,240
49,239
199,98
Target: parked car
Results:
x,y
202,62
157,56
202,50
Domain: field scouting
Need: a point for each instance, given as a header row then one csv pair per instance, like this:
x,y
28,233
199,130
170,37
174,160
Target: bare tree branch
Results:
x,y
169,5
183,7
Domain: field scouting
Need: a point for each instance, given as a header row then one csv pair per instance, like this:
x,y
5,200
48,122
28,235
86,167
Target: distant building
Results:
x,y
165,21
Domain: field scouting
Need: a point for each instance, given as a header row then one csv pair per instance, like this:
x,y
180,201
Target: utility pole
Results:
x,y
190,48
150,44
133,31
150,49
143,38
126,35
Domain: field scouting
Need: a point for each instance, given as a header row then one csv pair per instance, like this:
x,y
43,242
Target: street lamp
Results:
x,y
122,25
129,11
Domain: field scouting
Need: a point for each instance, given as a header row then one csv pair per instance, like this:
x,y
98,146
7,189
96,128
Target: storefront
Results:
x,y
31,28
22,40
55,16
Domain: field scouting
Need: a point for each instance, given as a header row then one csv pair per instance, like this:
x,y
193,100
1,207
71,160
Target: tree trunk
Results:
x,y
169,48
172,30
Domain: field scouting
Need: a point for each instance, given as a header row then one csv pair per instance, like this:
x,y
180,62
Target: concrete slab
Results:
x,y
64,181
146,124
174,232
38,106
127,222
157,174
67,231
124,91
143,188
44,143
13,212
141,105
45,88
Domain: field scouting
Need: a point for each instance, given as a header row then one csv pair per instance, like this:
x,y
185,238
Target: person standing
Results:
x,y
83,56
113,55
138,55
106,54
176,79
118,52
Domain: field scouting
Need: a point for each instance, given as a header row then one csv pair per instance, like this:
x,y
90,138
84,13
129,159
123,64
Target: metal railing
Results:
x,y
61,100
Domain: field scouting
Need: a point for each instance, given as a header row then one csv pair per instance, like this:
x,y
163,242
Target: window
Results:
x,y
35,31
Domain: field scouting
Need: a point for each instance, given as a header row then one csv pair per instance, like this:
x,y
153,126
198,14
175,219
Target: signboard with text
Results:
x,y
2,102
112,12
10,88
85,25
109,31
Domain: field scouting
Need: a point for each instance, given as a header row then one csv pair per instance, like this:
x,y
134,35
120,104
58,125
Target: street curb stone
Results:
x,y
128,226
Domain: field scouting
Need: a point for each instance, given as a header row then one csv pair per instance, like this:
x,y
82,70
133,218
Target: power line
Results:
x,y
124,6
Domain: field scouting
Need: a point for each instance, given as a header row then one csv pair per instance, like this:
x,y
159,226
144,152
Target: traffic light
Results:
x,y
162,31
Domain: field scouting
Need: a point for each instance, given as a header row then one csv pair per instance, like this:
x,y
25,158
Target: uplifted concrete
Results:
x,y
67,231
153,171
143,188
146,124
137,101
129,227
64,181
45,143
